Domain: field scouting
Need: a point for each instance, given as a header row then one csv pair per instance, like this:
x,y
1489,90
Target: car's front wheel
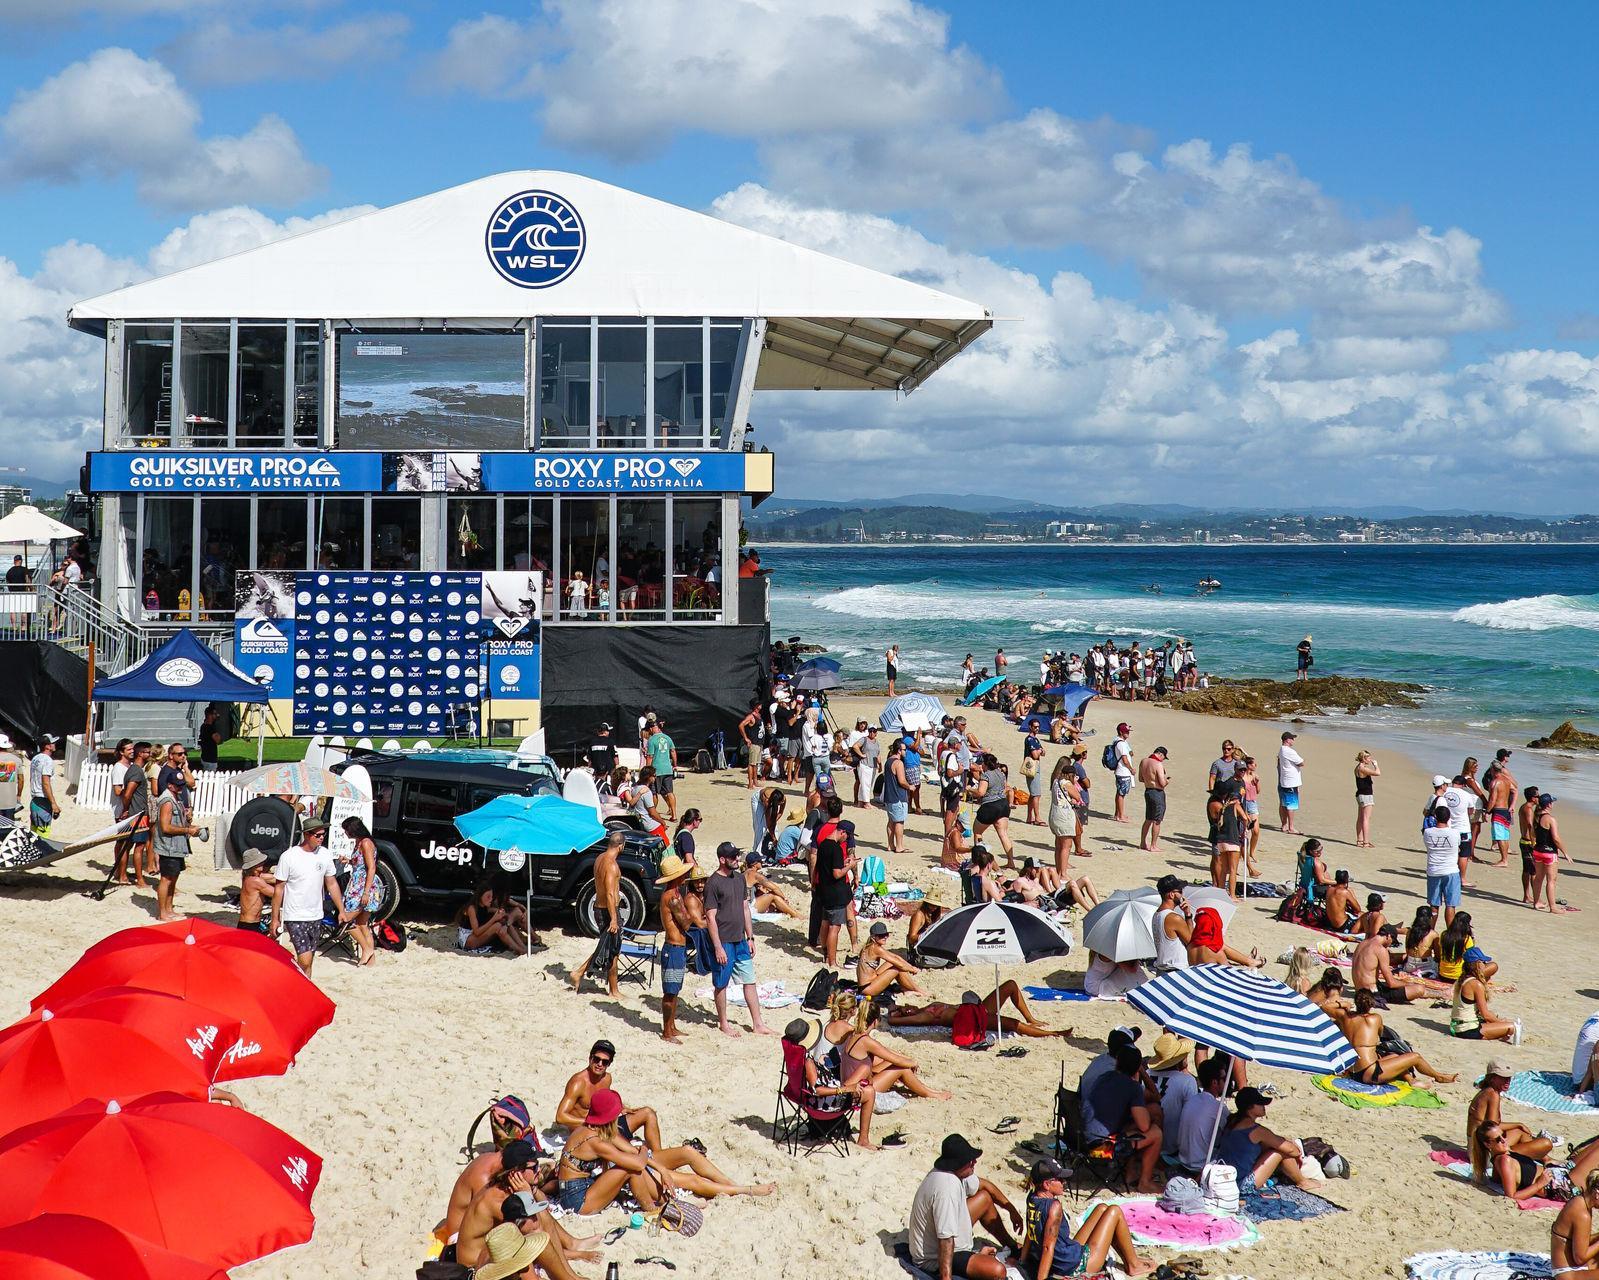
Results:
x,y
389,902
630,902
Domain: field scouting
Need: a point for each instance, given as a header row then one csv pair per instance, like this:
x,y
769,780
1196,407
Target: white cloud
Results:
x,y
116,113
227,54
622,76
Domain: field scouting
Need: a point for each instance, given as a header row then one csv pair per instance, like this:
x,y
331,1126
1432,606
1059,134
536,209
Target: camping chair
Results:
x,y
1096,1157
337,936
802,1116
637,957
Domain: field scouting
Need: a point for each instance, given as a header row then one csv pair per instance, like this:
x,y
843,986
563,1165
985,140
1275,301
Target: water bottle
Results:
x,y
612,1271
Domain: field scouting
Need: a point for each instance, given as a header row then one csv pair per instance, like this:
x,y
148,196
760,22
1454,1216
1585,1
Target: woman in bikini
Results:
x,y
597,1163
985,881
1470,1018
1484,1109
877,968
1523,1177
939,1014
1573,1250
1421,939
1363,1029
862,1058
1034,882
765,897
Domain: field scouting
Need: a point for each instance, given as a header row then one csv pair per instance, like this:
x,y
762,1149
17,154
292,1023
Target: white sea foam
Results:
x,y
1534,613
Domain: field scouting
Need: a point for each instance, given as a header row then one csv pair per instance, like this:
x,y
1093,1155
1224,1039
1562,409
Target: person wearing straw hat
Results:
x,y
927,913
510,1253
1168,1068
1485,1109
509,1198
675,924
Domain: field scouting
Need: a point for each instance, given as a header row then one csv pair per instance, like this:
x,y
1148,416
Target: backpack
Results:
x,y
1107,757
970,1026
389,938
508,1119
819,990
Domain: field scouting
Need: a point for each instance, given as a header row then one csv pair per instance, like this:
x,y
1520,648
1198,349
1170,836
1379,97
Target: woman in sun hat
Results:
x,y
510,1252
926,913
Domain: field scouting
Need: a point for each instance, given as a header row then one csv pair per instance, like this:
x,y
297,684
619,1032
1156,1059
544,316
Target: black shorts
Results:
x,y
960,1262
1475,1033
990,813
835,915
1528,866
170,868
1465,844
663,784
1393,995
1154,804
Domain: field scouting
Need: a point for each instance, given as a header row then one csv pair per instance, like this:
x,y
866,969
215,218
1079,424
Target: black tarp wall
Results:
x,y
45,689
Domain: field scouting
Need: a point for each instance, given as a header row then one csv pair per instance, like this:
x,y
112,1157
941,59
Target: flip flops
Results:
x,y
1009,1124
1015,1051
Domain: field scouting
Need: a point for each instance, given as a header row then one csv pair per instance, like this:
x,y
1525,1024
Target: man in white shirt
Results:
x,y
1199,1125
43,807
949,1201
1443,867
305,873
1124,769
1289,763
1168,1068
1459,801
1585,1058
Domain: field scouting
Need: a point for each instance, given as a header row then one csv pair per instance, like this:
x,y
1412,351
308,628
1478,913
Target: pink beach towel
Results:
x,y
1457,1163
1150,1224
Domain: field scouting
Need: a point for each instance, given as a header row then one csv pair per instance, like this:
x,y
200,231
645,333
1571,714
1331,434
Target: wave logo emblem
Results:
x,y
685,467
535,239
179,673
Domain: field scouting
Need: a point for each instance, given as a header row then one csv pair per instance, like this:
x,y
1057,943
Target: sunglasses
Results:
x,y
600,1059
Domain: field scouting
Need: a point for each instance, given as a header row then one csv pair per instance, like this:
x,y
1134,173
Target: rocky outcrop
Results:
x,y
1280,699
1568,738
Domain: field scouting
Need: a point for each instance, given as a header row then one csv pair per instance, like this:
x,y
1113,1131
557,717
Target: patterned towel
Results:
x,y
1551,1091
1398,1094
1152,1225
1457,1164
772,995
1451,1264
1284,1203
1058,993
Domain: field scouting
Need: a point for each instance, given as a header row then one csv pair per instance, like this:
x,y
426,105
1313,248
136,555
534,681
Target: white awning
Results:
x,y
830,323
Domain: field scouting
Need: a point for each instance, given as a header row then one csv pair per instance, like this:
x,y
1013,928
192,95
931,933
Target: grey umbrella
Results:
x,y
816,680
1122,927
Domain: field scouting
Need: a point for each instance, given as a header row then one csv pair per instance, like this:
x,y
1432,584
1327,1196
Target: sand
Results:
x,y
424,1040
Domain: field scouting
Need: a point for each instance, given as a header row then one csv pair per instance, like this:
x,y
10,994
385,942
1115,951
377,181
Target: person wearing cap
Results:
x,y
765,896
1485,1109
1547,850
676,921
305,872
1085,787
949,1202
1370,969
1122,751
607,914
1173,925
1470,1018
43,809
1122,1104
170,833
1254,1151
1289,779
518,1154
635,1124
1304,659
1168,1068
732,930
1459,799
12,773
1050,1252
602,751
877,968
1374,920
1152,774
256,887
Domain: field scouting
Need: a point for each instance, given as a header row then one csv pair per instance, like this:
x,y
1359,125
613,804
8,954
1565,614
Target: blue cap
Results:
x,y
1475,955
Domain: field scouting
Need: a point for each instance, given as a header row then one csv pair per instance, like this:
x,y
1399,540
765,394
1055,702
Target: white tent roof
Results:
x,y
830,323
28,524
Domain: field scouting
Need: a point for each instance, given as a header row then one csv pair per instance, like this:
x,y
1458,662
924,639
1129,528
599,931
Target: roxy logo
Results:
x,y
456,853
685,467
535,239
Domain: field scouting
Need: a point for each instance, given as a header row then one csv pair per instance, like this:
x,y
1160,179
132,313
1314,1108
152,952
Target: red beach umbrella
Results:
x,y
65,1246
118,1040
233,971
202,1180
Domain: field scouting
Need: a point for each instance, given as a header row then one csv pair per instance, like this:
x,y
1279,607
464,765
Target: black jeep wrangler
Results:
x,y
420,853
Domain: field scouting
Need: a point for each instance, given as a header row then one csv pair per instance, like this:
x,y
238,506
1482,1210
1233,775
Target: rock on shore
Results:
x,y
1568,738
1275,699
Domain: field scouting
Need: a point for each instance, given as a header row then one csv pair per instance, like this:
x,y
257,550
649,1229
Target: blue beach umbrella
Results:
x,y
980,688
541,824
1073,697
820,664
925,705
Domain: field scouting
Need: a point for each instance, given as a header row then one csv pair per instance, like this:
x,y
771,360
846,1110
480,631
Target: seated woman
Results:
x,y
1573,1250
1363,1030
791,837
1033,882
1108,979
1522,1177
597,1163
924,915
1453,943
861,1057
1301,971
877,968
490,920
1484,1109
1328,993
1049,1253
1312,871
985,877
1207,945
1421,940
939,1014
1254,1151
822,1082
1470,1018
765,897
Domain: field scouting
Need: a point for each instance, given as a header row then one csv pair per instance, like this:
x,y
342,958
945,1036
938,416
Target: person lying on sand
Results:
x,y
943,1015
1363,1029
1573,1250
577,1101
877,968
1371,970
514,1196
1522,1177
1484,1109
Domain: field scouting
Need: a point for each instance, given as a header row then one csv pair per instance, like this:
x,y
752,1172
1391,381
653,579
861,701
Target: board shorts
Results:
x,y
898,811
1124,785
740,966
1444,891
1526,858
1502,823
674,968
1154,804
303,935
1288,797
663,784
835,915
170,868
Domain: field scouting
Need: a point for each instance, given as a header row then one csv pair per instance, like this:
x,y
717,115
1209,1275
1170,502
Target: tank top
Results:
x,y
1542,841
1462,1013
1449,969
1170,953
893,792
1237,1149
1362,784
1068,1252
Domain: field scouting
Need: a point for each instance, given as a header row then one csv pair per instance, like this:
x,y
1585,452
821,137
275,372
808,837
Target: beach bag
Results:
x,y
1220,1185
1390,1042
1107,757
1182,1195
819,990
970,1026
434,1269
678,1216
387,937
1029,768
1018,796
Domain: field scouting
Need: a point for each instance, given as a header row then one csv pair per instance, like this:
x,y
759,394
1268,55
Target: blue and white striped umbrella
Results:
x,y
923,705
1243,1012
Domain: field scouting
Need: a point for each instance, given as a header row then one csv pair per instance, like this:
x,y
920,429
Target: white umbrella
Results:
x,y
1122,927
1217,899
28,524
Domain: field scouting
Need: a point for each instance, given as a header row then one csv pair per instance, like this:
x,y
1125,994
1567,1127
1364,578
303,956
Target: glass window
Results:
x,y
205,382
260,385
564,406
529,542
640,579
341,533
697,558
585,556
224,550
433,801
679,387
396,533
166,561
622,387
147,357
472,533
434,391
307,385
280,533
724,354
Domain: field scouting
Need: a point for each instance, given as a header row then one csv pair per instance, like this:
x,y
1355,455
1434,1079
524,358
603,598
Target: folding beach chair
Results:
x,y
1096,1157
802,1116
640,950
336,937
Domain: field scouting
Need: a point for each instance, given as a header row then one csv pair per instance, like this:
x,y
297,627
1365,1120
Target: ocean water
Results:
x,y
1505,637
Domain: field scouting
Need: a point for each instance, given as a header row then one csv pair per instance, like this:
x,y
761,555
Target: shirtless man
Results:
x,y
1371,970
255,891
1526,815
1501,802
516,1154
1485,1108
1363,1028
508,1196
939,1014
675,924
607,893
1152,776
573,1108
1342,906
1573,1251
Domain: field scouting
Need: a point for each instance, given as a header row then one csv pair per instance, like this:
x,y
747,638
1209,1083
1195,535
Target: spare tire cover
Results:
x,y
265,823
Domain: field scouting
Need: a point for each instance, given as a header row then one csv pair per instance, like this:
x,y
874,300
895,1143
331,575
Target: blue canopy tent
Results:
x,y
1072,698
184,670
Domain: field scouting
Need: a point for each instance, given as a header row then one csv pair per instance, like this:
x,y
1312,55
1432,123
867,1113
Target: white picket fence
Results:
x,y
214,797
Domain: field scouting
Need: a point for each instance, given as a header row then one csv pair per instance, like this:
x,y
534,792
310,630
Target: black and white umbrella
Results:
x,y
995,933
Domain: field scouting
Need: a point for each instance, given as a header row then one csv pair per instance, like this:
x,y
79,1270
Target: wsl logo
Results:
x,y
535,239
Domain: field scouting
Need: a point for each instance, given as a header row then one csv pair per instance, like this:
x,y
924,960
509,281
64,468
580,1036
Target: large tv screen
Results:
x,y
436,391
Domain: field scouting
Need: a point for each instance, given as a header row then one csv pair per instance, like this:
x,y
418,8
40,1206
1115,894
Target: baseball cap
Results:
x,y
727,849
518,1154
1124,727
1438,780
1170,884
1161,752
604,727
878,929
1289,733
48,740
1545,800
5,742
1248,1097
1476,955
1045,1170
1497,1067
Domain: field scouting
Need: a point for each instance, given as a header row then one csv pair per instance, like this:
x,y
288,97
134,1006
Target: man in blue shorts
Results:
x,y
727,914
1289,763
675,872
1443,870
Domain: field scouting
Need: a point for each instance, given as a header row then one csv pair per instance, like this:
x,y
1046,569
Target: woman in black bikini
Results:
x,y
1521,1177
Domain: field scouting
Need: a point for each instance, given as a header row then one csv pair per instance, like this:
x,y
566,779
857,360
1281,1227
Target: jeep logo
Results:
x,y
458,853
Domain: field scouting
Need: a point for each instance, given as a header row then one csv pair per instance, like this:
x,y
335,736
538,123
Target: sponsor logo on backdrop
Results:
x,y
179,673
457,853
535,239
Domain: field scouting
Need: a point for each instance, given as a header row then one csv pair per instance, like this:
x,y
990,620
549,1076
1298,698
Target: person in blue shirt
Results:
x,y
1051,1252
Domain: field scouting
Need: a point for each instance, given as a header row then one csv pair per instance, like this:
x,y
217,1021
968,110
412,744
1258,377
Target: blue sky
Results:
x,y
1281,255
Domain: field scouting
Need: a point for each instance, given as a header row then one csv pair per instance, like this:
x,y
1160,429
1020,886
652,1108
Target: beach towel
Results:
x,y
1457,1164
1283,1203
1452,1264
919,1031
1062,993
1152,1225
1551,1091
1398,1094
772,995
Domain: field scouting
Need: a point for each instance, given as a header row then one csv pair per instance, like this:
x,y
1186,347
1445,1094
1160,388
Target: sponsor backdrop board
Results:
x,y
372,654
